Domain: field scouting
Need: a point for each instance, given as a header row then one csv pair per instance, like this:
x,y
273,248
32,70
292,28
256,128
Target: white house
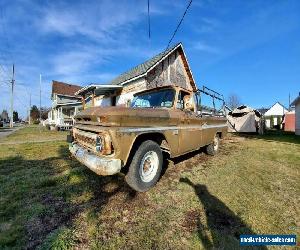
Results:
x,y
274,115
296,104
64,105
167,68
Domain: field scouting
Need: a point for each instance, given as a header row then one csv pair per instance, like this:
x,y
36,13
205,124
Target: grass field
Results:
x,y
48,200
33,133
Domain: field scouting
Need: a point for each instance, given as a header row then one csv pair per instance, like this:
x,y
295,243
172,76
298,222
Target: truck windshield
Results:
x,y
161,98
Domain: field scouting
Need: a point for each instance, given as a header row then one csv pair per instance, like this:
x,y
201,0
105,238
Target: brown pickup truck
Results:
x,y
163,121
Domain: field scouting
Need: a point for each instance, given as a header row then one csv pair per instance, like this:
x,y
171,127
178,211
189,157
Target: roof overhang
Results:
x,y
72,96
70,104
295,101
98,89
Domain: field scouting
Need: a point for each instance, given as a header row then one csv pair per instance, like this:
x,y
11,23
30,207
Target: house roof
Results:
x,y
142,69
279,104
62,88
274,111
296,101
263,110
100,89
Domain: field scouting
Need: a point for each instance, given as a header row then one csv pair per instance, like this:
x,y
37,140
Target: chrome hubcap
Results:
x,y
149,166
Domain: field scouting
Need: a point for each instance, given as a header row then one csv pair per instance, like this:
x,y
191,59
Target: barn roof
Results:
x,y
143,68
62,88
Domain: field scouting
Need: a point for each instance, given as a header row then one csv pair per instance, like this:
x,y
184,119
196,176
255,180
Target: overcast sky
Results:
x,y
250,48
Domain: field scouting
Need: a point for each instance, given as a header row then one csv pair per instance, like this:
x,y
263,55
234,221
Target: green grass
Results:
x,y
34,133
48,200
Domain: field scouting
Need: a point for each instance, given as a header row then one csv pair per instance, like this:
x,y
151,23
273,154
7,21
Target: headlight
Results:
x,y
99,145
103,143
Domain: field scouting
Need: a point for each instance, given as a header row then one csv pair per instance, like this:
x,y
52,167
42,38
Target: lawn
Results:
x,y
48,200
34,133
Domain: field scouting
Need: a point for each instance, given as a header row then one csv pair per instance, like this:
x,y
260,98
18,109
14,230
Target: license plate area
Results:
x,y
80,152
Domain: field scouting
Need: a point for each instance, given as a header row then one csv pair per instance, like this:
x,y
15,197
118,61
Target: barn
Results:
x,y
169,67
296,104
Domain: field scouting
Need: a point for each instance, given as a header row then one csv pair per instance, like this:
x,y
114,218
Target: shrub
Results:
x,y
271,122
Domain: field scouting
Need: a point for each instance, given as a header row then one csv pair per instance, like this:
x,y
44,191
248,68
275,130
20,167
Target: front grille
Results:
x,y
86,139
86,119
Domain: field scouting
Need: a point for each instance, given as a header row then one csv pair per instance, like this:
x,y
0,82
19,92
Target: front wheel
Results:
x,y
213,148
145,168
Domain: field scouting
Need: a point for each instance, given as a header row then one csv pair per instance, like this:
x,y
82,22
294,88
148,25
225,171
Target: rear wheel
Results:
x,y
145,168
213,148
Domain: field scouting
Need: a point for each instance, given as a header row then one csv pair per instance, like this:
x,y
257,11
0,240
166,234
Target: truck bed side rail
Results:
x,y
204,110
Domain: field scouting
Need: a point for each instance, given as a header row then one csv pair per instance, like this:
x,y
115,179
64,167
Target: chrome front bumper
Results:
x,y
100,165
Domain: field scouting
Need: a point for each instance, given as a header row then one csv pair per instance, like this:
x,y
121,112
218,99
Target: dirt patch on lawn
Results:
x,y
191,221
58,213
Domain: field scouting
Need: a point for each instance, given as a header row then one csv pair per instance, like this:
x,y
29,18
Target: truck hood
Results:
x,y
124,116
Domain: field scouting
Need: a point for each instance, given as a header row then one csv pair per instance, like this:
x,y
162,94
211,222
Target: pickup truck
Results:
x,y
163,121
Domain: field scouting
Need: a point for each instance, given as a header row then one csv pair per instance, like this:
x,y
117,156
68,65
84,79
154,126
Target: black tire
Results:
x,y
134,177
213,148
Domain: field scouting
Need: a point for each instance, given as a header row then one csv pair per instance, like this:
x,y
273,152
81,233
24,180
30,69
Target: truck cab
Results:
x,y
167,119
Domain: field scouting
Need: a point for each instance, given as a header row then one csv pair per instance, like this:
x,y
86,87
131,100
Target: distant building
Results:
x,y
289,121
296,104
64,105
262,111
4,116
274,116
170,67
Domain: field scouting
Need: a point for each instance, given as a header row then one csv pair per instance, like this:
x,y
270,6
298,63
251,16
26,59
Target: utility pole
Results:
x,y
29,117
12,98
289,102
40,97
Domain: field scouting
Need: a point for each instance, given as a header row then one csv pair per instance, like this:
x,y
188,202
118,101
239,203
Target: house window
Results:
x,y
180,101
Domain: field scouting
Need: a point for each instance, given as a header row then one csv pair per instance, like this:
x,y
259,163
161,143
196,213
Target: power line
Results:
x,y
12,97
4,32
40,96
179,23
5,71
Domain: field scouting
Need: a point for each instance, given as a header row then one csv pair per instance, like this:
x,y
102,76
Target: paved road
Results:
x,y
7,131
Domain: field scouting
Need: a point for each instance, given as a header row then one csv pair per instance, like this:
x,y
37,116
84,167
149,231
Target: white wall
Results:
x,y
268,123
125,98
276,109
130,89
103,102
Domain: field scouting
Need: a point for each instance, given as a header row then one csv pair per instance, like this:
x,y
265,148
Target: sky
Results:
x,y
247,48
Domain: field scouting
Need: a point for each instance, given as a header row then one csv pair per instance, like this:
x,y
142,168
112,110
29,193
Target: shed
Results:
x,y
244,119
296,104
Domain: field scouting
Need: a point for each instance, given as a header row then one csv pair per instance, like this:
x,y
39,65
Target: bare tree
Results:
x,y
233,101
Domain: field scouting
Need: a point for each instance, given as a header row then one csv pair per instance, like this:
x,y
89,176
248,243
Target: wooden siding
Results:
x,y
171,71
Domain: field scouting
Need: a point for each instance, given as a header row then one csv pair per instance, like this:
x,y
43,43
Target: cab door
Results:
x,y
190,128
